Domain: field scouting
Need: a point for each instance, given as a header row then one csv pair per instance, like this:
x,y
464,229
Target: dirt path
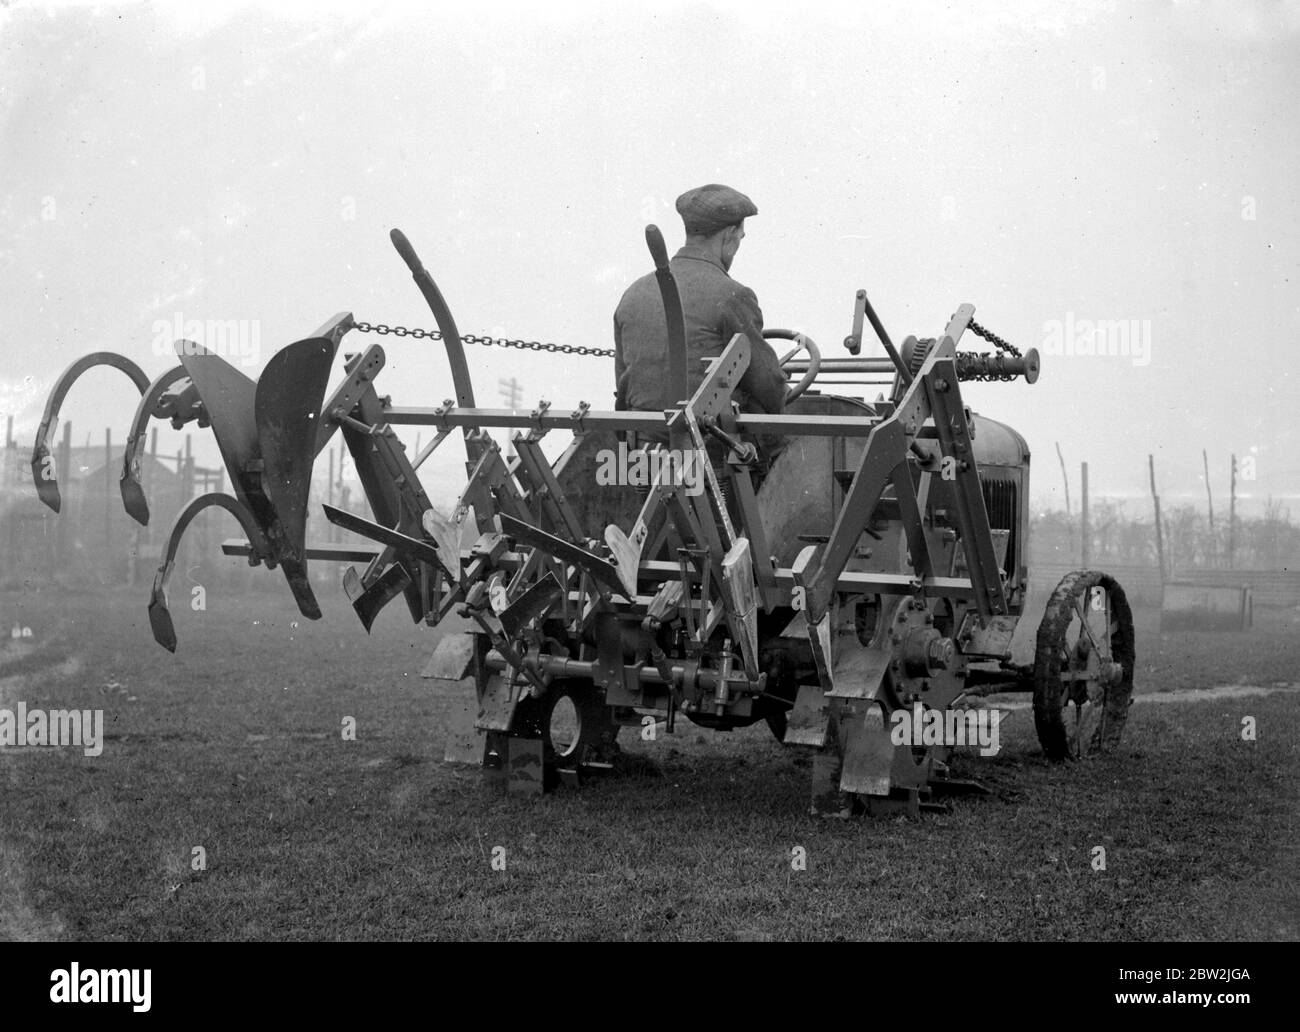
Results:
x,y
1220,691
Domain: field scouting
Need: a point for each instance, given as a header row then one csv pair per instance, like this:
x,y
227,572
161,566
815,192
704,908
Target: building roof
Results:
x,y
85,464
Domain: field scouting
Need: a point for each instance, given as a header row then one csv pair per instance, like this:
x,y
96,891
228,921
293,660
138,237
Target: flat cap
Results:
x,y
710,208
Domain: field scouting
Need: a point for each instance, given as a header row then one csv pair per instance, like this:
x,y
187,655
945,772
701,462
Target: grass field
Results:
x,y
233,745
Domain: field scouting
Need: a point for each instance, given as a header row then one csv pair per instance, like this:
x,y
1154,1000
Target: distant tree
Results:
x,y
1267,542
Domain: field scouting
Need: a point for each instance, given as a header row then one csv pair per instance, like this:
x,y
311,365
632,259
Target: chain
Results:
x,y
994,339
471,338
570,349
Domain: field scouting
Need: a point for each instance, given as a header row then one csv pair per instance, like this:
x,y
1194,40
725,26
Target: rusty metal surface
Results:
x,y
806,723
465,742
497,700
452,659
868,753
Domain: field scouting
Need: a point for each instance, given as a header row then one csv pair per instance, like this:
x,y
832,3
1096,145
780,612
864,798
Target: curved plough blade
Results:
x,y
44,473
160,619
171,396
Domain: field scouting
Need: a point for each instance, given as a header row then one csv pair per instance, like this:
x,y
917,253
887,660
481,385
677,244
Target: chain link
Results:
x,y
995,340
472,338
570,349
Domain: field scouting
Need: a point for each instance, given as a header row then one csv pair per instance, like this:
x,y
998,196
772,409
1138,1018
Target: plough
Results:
x,y
877,569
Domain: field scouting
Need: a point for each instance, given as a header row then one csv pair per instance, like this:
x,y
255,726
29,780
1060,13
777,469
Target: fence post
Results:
x,y
1209,497
65,466
1232,516
1086,527
1160,536
108,499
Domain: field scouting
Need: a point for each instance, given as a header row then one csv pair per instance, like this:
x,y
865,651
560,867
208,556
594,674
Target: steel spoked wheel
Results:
x,y
1083,667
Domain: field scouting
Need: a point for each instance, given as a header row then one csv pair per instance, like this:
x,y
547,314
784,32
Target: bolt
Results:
x,y
941,385
939,653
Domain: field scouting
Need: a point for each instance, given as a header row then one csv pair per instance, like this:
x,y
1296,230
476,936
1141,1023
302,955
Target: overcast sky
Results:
x,y
1049,163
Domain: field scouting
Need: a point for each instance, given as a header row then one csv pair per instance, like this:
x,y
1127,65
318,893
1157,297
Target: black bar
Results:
x,y
791,425
884,339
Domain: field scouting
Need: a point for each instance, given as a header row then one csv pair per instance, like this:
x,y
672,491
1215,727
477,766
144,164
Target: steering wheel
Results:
x,y
802,343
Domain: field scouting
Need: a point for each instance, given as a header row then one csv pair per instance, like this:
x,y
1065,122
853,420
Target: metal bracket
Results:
x,y
440,414
361,372
539,430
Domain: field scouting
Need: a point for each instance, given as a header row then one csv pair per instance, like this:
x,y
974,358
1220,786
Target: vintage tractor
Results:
x,y
874,570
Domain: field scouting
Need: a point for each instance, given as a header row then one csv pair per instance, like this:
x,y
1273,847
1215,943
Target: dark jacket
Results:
x,y
715,308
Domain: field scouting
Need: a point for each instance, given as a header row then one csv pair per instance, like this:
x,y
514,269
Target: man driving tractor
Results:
x,y
714,306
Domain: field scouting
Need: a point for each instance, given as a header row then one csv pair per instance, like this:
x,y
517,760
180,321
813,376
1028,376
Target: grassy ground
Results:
x,y
234,745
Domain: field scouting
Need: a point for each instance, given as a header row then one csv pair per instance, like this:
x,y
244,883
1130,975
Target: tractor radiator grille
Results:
x,y
1000,503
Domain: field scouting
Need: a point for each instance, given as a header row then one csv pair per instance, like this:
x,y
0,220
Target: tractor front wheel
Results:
x,y
1083,666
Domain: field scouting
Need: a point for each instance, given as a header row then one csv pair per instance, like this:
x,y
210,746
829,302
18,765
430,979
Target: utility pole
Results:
x,y
1160,536
1232,514
1209,497
512,393
1065,477
1086,530
1209,494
